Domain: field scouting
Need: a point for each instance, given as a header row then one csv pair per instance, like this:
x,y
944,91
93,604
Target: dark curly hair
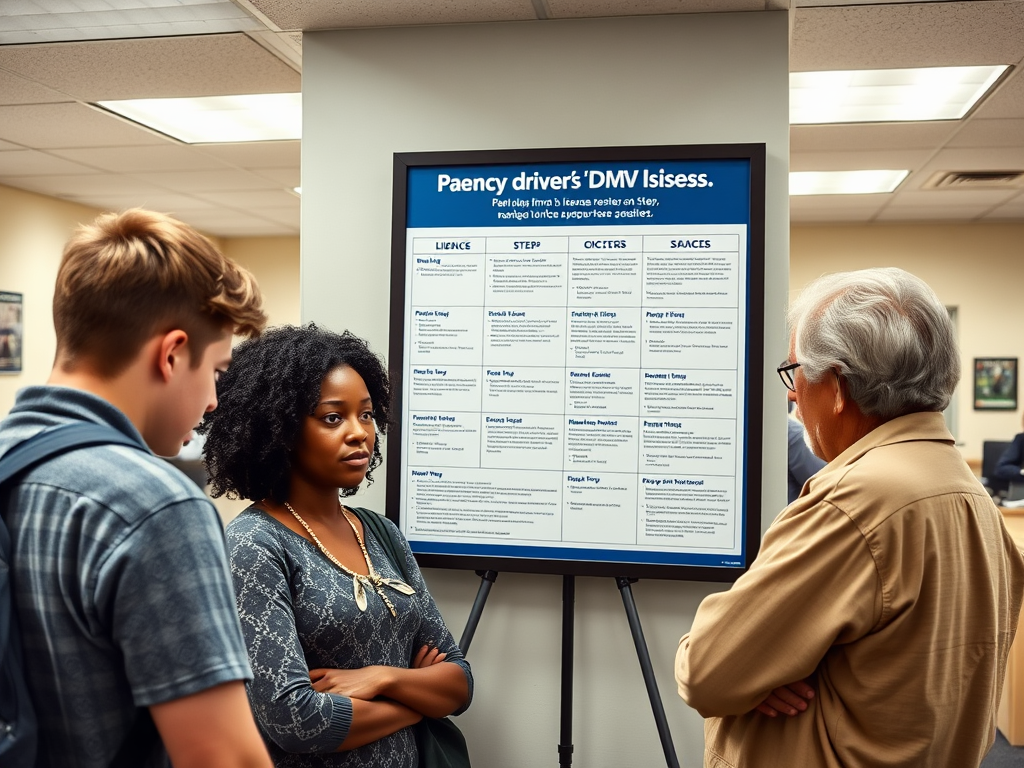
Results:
x,y
274,382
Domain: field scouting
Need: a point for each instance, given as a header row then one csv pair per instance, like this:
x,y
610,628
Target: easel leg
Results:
x,y
487,578
644,656
568,638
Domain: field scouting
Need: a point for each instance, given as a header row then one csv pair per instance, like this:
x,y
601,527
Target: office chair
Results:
x,y
991,450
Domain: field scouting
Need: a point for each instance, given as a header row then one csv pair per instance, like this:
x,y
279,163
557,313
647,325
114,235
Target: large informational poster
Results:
x,y
576,349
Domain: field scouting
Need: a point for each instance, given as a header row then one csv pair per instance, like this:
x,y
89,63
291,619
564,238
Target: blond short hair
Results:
x,y
130,275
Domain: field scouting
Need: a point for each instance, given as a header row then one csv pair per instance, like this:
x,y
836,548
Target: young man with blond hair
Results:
x,y
121,586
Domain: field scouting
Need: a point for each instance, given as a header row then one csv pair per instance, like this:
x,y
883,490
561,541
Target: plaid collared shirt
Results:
x,y
121,583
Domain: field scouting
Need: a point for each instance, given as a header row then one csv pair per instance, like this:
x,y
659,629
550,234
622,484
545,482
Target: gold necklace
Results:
x,y
359,581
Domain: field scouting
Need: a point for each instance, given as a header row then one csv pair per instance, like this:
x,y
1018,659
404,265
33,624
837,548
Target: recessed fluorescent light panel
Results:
x,y
887,95
218,119
55,21
844,182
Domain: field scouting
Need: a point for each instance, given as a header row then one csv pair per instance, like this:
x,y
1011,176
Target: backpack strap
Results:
x,y
57,440
142,736
383,533
43,446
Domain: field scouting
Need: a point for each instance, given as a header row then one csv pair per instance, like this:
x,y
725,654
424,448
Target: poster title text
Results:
x,y
593,179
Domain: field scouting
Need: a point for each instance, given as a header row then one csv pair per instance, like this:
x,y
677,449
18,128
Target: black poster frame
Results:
x,y
752,405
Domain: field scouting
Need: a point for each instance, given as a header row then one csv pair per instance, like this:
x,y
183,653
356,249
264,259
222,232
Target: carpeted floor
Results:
x,y
1002,755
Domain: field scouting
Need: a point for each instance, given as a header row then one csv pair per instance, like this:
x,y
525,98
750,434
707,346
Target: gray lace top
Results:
x,y
298,613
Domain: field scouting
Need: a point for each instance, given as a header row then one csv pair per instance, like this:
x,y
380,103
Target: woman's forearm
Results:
x,y
373,720
434,691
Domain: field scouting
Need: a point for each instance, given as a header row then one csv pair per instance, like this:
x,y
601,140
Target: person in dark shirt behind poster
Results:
x,y
802,462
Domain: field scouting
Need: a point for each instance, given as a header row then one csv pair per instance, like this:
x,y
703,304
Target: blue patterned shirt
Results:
x,y
298,613
120,582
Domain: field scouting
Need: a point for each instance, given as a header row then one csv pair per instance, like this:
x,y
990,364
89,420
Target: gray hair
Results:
x,y
885,332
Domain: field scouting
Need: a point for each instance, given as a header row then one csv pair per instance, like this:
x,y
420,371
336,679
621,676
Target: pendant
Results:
x,y
359,592
399,586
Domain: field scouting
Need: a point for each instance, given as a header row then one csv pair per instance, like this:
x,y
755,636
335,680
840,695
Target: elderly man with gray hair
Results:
x,y
873,627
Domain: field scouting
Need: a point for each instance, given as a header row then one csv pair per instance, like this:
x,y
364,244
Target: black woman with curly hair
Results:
x,y
345,654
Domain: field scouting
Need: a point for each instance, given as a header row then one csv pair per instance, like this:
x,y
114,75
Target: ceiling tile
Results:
x,y
18,90
53,126
339,14
1013,209
207,65
823,3
285,177
950,198
836,202
29,162
227,180
978,159
587,9
257,154
270,198
908,35
233,224
851,214
289,216
80,186
1005,132
165,157
167,202
877,160
1008,100
262,228
933,213
824,138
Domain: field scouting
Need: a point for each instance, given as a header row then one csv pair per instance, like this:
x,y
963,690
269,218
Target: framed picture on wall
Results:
x,y
11,329
995,383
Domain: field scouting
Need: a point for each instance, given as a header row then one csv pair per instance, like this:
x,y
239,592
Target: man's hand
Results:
x,y
787,700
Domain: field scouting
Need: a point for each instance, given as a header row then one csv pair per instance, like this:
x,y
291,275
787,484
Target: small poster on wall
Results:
x,y
995,383
11,329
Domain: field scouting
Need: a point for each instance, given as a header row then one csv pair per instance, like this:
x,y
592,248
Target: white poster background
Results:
x,y
569,396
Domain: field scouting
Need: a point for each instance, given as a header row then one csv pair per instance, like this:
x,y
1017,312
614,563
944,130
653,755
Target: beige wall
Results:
x,y
976,268
275,262
33,230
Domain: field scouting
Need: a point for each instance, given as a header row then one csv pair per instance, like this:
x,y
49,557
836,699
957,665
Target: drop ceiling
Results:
x,y
54,61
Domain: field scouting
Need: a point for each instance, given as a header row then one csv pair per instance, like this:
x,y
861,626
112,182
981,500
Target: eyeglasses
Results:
x,y
785,371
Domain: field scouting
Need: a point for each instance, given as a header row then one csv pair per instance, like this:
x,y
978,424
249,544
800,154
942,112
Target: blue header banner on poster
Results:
x,y
712,191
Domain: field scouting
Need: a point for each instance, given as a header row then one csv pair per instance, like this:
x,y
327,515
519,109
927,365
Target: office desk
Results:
x,y
1011,706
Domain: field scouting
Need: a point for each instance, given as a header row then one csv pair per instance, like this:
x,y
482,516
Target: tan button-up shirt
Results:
x,y
892,585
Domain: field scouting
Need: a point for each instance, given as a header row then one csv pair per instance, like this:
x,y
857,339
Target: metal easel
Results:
x,y
624,584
